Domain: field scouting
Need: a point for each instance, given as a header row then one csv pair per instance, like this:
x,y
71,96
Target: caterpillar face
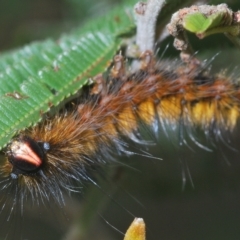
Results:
x,y
26,155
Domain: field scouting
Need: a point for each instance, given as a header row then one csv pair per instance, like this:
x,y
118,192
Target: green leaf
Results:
x,y
45,73
67,73
215,20
194,22
198,23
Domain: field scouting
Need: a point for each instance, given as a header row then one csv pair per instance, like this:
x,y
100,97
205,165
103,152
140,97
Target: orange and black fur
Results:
x,y
48,158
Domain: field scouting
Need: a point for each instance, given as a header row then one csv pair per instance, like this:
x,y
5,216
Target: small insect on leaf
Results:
x,y
136,231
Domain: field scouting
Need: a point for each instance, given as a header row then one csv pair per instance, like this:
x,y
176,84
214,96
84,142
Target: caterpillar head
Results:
x,y
26,155
32,168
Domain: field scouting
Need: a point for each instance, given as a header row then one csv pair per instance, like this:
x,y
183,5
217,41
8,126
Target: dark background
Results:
x,y
207,206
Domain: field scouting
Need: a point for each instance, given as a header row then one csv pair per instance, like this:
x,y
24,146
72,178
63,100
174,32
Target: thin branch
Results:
x,y
146,16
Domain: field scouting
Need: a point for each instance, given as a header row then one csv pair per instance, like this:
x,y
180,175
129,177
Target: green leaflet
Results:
x,y
198,23
68,72
45,73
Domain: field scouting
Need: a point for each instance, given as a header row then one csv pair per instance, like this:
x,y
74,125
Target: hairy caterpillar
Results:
x,y
64,146
44,160
175,95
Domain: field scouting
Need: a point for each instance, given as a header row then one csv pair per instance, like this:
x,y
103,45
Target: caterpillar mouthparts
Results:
x,y
26,155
